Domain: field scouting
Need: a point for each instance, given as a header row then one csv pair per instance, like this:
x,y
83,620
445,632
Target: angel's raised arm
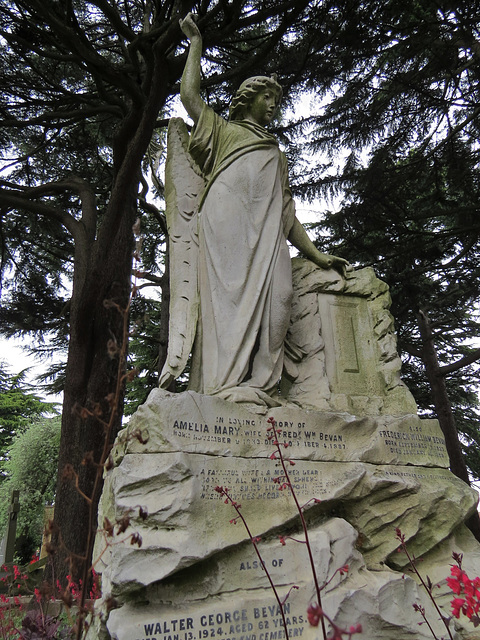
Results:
x,y
190,84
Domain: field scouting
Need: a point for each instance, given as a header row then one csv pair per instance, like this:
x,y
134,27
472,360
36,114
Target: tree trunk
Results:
x,y
103,267
96,337
444,411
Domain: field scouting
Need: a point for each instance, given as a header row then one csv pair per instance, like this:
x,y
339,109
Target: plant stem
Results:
x,y
224,492
305,531
412,562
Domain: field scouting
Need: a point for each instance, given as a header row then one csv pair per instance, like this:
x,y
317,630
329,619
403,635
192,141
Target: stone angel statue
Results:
x,y
230,213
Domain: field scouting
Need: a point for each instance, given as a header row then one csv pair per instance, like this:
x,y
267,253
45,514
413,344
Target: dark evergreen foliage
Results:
x,y
403,99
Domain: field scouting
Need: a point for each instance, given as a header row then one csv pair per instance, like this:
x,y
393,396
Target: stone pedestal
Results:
x,y
198,574
341,348
361,451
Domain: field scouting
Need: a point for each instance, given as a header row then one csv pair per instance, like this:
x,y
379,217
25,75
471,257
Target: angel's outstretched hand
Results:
x,y
189,27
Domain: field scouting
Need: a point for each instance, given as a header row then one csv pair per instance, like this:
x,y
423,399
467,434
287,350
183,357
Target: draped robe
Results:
x,y
244,269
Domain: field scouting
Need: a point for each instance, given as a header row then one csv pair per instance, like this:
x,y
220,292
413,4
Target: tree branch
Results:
x,y
153,280
21,197
76,115
410,349
114,18
463,362
160,217
20,201
74,39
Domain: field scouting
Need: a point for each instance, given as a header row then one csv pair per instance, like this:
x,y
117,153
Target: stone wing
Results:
x,y
184,185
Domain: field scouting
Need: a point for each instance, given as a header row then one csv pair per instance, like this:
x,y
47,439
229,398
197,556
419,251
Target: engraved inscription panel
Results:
x,y
241,619
346,315
350,351
219,428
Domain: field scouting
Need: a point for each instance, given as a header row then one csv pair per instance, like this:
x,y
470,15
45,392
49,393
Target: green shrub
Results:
x,y
32,469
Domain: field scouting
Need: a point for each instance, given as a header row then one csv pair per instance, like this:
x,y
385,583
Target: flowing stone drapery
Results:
x,y
243,264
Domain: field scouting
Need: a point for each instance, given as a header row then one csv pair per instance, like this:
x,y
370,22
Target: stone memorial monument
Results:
x,y
7,544
357,445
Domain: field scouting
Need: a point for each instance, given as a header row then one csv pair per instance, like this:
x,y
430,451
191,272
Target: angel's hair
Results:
x,y
247,92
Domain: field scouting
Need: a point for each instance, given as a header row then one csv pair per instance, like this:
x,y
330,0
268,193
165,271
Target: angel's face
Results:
x,y
262,108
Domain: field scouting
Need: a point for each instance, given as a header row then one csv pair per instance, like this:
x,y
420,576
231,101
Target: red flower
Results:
x,y
460,584
314,613
454,585
457,604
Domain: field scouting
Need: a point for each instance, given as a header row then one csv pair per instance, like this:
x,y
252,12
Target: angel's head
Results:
x,y
256,99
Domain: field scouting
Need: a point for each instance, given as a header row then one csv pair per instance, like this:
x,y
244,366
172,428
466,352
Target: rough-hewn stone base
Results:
x,y
196,576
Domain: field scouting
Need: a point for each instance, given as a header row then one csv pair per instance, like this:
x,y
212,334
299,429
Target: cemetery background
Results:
x,y
457,162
